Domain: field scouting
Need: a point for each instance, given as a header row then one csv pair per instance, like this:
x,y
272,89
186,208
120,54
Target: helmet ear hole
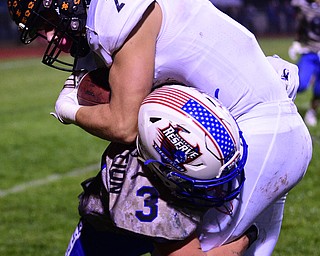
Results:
x,y
192,143
154,119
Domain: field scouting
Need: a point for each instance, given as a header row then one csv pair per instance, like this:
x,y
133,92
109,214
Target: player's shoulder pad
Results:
x,y
110,22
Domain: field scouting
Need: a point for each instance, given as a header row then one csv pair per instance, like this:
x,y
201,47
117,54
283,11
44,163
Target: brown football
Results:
x,y
94,88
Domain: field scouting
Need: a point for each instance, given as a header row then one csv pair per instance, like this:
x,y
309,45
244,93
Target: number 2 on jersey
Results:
x,y
119,6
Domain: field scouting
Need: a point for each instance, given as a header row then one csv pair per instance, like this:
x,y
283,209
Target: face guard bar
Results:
x,y
68,25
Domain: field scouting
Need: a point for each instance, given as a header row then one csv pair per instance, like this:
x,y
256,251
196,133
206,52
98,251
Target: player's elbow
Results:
x,y
125,134
126,138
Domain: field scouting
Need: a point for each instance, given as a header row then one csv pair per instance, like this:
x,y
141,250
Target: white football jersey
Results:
x,y
198,45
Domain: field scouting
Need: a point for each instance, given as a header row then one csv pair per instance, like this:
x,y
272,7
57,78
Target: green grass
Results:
x,y
39,153
49,160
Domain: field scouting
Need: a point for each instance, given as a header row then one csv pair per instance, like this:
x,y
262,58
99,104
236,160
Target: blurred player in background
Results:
x,y
306,46
149,43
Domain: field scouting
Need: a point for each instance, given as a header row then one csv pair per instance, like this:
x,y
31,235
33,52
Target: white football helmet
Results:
x,y
193,144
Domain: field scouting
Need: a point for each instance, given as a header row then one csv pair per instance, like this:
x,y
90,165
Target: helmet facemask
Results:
x,y
201,192
66,17
64,41
70,28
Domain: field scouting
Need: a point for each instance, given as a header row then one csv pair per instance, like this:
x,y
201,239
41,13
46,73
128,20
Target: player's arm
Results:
x,y
130,78
192,247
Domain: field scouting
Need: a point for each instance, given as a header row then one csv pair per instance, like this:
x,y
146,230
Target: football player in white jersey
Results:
x,y
147,43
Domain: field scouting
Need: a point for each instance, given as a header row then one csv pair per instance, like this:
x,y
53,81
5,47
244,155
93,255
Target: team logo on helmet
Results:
x,y
174,149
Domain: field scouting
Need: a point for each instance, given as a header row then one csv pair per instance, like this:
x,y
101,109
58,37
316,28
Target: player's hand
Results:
x,y
294,50
67,104
289,74
297,49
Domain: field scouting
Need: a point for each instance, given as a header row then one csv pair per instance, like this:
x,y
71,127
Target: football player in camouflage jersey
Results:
x,y
307,46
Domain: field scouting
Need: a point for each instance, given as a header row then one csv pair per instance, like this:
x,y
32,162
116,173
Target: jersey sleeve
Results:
x,y
110,22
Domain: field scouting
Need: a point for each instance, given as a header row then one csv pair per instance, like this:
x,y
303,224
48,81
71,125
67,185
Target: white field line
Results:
x,y
49,179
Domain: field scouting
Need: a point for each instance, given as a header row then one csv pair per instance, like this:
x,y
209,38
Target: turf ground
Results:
x,y
43,162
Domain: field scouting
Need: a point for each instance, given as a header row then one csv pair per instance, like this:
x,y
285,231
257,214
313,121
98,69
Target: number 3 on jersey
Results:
x,y
151,196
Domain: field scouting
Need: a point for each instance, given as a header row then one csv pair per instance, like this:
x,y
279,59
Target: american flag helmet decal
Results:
x,y
207,120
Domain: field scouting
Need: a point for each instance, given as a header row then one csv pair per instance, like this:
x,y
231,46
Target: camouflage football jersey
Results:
x,y
122,196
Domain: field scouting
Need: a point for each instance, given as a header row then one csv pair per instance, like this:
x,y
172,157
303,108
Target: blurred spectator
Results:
x,y
289,14
306,46
231,7
260,17
8,30
247,17
273,13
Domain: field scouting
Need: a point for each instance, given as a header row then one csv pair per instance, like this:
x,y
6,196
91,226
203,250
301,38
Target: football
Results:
x,y
94,88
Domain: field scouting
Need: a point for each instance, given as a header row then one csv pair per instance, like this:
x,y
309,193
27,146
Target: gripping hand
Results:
x,y
67,104
296,49
289,74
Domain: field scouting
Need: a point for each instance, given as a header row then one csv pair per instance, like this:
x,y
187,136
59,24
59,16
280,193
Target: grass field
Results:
x,y
43,162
